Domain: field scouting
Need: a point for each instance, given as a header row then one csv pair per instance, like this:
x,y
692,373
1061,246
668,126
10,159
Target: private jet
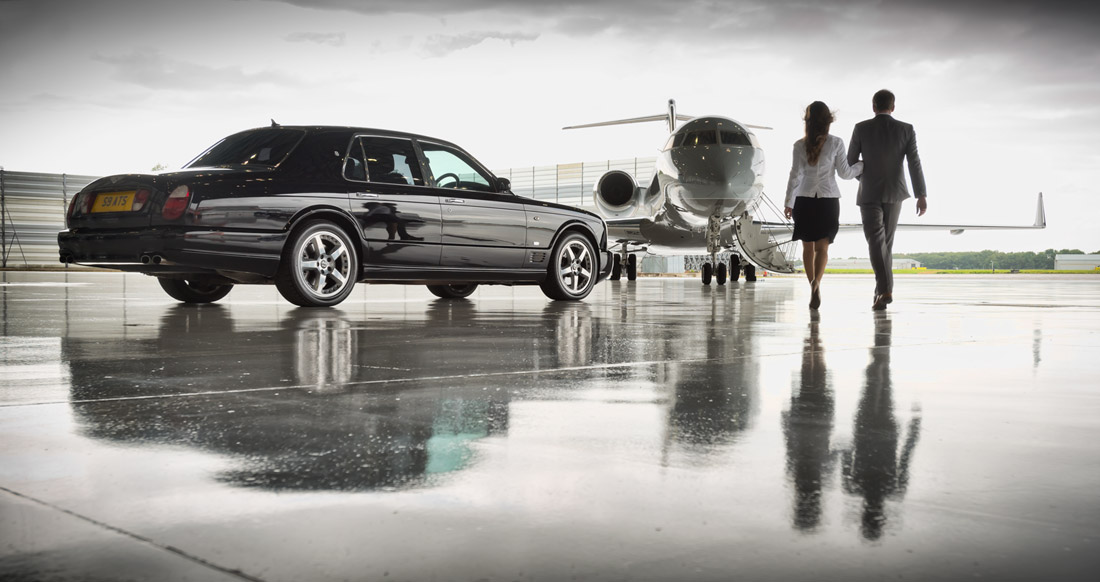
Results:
x,y
706,196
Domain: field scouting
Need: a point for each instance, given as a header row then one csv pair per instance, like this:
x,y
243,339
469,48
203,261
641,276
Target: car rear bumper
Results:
x,y
174,250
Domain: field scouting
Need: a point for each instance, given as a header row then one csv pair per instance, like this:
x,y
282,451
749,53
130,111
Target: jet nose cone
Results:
x,y
739,179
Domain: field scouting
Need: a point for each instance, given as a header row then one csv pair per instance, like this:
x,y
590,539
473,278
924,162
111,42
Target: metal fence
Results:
x,y
32,205
572,184
33,209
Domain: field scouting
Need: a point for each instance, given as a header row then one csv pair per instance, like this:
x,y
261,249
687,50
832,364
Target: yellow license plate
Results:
x,y
114,201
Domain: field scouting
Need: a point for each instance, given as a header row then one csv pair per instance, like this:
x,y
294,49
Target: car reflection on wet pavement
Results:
x,y
659,430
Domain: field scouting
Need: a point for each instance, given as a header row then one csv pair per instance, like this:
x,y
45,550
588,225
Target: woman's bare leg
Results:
x,y
808,261
821,258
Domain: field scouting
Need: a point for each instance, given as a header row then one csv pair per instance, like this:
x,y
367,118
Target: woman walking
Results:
x,y
813,197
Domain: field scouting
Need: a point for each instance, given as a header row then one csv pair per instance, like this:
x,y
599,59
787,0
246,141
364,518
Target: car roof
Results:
x,y
352,130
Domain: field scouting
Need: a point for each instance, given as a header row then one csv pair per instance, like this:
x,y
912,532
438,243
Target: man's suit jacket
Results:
x,y
884,143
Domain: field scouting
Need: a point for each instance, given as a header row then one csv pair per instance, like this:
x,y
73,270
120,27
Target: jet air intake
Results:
x,y
616,194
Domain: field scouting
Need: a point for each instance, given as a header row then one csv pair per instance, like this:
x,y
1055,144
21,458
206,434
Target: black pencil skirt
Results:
x,y
816,218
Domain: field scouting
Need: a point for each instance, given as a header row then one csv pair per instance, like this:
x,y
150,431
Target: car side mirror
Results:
x,y
504,185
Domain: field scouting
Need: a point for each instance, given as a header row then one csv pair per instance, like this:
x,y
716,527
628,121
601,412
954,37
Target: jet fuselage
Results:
x,y
710,166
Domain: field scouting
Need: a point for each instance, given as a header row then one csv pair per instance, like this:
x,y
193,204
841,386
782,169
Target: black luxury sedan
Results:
x,y
316,209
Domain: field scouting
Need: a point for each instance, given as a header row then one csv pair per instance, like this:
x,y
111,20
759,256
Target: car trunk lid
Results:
x,y
129,201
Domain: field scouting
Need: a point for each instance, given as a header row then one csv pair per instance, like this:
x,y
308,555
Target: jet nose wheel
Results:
x,y
708,272
720,275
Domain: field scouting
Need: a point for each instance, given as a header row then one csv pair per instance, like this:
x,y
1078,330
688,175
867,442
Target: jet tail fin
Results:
x,y
671,117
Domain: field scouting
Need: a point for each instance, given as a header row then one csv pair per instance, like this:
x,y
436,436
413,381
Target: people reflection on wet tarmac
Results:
x,y
807,427
873,467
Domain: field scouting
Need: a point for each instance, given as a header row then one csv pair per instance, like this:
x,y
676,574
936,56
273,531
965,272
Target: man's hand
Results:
x,y
787,212
922,205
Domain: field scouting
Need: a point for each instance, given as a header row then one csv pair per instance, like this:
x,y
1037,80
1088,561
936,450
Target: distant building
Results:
x,y
899,264
659,264
1076,262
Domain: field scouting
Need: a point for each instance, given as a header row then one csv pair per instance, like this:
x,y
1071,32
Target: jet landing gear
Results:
x,y
750,273
720,274
714,267
625,260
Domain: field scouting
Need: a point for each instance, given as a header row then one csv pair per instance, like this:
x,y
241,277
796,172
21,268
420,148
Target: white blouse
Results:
x,y
818,181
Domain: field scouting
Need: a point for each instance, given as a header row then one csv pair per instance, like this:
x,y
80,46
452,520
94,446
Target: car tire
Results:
x,y
452,291
573,269
319,266
193,291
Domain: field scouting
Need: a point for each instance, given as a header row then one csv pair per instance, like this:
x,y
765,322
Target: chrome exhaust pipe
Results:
x,y
145,259
157,259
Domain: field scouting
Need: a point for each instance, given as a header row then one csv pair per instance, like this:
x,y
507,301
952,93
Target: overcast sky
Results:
x,y
1005,95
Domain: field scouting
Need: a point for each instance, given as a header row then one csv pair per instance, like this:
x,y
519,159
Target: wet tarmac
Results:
x,y
659,430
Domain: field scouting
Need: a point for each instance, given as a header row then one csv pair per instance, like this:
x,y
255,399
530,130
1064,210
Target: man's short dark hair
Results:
x,y
883,100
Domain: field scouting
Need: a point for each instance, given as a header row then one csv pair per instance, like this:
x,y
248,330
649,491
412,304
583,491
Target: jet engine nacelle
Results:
x,y
617,195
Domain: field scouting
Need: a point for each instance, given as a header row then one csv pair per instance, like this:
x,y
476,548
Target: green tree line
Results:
x,y
987,259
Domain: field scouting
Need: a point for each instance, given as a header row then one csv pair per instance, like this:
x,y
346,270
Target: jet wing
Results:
x,y
627,230
1040,223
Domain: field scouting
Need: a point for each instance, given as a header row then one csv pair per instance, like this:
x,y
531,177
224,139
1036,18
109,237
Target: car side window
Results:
x,y
449,168
355,168
389,160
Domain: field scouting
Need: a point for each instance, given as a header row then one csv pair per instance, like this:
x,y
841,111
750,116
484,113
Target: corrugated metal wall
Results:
x,y
33,205
572,184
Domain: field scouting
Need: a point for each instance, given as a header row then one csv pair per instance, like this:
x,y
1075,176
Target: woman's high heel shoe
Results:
x,y
815,295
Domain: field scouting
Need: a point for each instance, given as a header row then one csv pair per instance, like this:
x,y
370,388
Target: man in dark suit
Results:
x,y
883,143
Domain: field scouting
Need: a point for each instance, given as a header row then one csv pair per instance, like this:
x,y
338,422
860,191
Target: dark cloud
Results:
x,y
435,7
439,45
149,68
944,27
336,39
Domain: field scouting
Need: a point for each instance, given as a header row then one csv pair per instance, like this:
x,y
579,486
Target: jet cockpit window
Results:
x,y
674,141
735,138
702,137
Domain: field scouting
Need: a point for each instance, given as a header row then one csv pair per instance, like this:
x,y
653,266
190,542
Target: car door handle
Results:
x,y
455,201
365,195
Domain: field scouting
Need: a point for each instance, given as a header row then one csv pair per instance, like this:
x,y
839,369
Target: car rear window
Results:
x,y
260,147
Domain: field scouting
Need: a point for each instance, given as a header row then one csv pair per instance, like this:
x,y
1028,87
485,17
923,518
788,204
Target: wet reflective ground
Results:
x,y
659,431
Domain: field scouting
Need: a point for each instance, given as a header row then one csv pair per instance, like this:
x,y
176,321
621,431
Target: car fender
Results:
x,y
335,214
579,226
339,216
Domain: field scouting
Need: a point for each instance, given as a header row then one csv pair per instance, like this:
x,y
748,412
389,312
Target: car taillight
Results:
x,y
80,204
140,198
72,207
176,203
